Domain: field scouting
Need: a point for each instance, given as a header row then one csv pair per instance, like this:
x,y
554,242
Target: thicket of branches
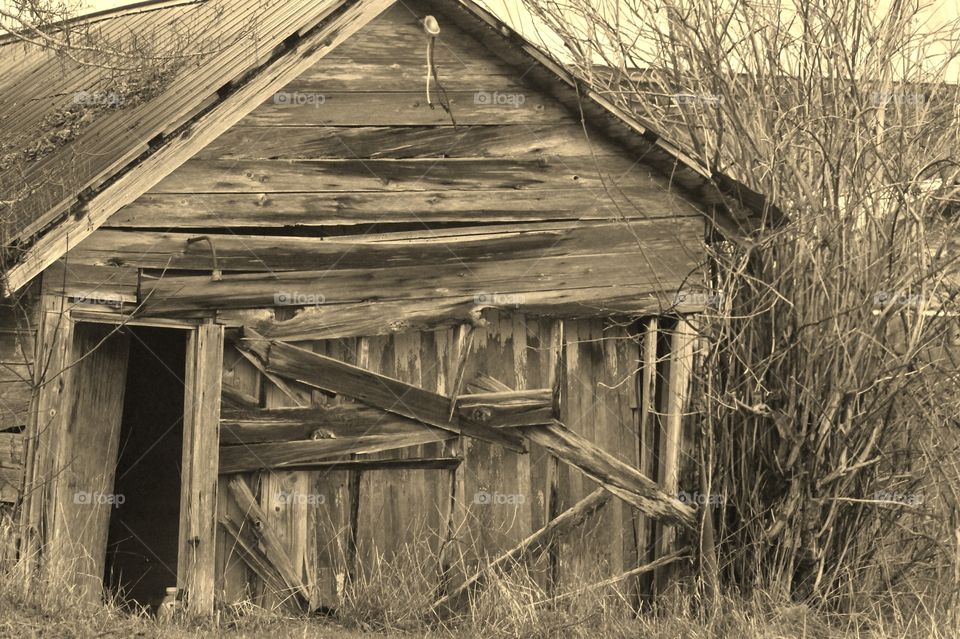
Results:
x,y
827,401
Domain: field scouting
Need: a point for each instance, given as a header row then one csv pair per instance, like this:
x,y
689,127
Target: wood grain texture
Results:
x,y
251,253
211,123
382,318
276,210
348,175
404,109
196,557
370,388
622,480
87,457
498,140
304,453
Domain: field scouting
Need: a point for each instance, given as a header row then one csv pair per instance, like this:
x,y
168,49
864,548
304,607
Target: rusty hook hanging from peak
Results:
x,y
217,274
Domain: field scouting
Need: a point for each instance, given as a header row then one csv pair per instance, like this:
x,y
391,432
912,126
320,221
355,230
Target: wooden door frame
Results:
x,y
201,422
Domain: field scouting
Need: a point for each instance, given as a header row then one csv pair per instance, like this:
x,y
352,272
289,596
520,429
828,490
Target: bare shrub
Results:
x,y
828,395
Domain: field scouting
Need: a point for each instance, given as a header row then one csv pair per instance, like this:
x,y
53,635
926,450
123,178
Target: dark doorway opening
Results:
x,y
142,541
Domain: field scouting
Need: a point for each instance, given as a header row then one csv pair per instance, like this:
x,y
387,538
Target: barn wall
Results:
x,y
403,517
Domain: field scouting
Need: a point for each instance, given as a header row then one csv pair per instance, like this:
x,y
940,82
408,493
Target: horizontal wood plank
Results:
x,y
298,106
241,427
275,210
319,176
505,284
334,321
301,454
378,142
251,253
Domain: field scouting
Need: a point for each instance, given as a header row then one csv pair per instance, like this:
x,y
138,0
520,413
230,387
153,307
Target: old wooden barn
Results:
x,y
279,316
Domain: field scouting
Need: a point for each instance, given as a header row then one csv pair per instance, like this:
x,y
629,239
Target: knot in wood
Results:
x,y
481,414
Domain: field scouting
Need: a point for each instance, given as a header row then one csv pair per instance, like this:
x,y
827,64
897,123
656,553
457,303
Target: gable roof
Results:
x,y
125,152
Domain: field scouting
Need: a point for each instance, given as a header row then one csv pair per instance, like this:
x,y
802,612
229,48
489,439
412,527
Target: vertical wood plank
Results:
x,y
235,581
89,442
54,344
672,443
647,439
198,502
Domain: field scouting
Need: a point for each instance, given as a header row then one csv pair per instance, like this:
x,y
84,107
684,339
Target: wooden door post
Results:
x,y
198,491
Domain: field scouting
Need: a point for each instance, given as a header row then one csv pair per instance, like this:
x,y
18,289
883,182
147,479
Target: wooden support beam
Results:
x,y
621,479
198,501
555,528
269,542
373,389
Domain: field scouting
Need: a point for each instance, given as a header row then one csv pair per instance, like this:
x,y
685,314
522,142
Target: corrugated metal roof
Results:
x,y
93,120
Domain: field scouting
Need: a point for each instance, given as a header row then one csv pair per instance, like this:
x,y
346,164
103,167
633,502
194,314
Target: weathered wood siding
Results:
x,y
345,185
18,330
338,521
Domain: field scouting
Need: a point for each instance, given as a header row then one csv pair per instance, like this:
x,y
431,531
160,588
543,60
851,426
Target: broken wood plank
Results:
x,y
238,252
277,210
332,321
333,421
271,544
515,408
372,389
621,479
555,528
285,455
257,561
505,283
